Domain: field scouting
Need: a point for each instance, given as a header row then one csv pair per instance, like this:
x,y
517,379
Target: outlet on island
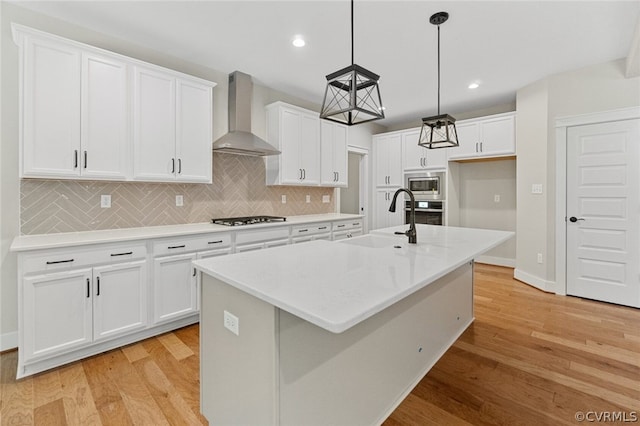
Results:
x,y
232,323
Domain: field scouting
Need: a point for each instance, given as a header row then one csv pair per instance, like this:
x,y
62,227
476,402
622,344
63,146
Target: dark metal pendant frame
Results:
x,y
438,131
352,96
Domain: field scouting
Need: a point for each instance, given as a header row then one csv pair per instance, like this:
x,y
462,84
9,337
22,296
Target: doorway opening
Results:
x,y
353,198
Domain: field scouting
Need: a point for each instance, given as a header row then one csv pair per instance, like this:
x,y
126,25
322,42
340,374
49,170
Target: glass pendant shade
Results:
x,y
352,96
438,131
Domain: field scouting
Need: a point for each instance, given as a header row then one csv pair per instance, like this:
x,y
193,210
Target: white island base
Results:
x,y
284,370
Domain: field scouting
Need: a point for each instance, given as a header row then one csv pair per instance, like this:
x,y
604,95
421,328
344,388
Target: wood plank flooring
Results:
x,y
530,358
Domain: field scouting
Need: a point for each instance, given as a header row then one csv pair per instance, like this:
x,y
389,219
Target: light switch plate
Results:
x,y
105,201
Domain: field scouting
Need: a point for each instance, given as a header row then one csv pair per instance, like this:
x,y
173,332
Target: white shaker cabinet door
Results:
x,y
105,141
333,148
193,131
468,140
57,311
174,287
388,154
51,109
119,299
154,126
290,125
309,150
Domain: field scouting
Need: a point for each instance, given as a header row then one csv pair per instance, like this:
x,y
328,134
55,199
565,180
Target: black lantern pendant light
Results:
x,y
438,131
352,95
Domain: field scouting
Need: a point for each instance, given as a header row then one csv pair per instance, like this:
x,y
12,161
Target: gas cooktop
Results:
x,y
248,220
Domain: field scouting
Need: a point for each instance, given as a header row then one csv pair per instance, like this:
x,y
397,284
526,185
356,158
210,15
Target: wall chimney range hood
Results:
x,y
240,140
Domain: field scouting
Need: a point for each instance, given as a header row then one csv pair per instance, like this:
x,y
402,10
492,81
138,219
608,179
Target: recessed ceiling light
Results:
x,y
298,41
474,85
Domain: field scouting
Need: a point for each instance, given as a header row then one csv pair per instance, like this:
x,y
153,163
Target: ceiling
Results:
x,y
502,45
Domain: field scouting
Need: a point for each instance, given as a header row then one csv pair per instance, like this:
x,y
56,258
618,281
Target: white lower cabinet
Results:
x,y
346,229
119,299
384,218
70,309
56,312
174,287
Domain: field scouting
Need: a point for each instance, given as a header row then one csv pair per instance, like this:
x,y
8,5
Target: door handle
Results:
x,y
304,173
88,288
476,146
480,146
179,165
300,174
173,165
98,282
85,159
75,159
575,219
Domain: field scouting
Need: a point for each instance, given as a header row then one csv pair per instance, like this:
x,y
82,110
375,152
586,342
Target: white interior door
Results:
x,y
603,212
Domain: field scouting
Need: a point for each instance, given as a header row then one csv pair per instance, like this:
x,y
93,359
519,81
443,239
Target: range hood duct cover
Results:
x,y
240,140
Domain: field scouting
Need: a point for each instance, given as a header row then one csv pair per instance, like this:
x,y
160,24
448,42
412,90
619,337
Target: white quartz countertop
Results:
x,y
69,239
336,285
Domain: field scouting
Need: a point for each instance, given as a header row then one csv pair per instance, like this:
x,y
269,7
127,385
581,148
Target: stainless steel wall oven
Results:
x,y
429,190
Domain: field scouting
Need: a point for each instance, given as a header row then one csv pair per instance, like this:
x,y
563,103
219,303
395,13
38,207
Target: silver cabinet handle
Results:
x,y
85,159
75,159
179,165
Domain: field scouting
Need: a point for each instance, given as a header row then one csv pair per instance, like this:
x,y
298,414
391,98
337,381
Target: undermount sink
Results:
x,y
377,241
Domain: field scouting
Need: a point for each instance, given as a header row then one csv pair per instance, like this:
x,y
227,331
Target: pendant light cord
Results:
x,y
438,69
351,32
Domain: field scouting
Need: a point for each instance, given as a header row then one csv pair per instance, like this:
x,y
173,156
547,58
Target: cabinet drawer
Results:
x,y
57,260
194,243
343,225
245,237
311,229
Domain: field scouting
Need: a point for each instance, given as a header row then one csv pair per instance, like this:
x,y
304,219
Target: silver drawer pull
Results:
x,y
121,254
175,247
215,242
59,261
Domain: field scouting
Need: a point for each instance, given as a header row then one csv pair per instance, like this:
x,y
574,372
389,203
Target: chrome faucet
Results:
x,y
411,232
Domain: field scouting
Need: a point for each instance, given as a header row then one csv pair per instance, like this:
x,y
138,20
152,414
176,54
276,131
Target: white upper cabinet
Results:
x,y
492,136
194,131
85,111
333,146
416,157
104,118
296,133
50,87
172,127
388,160
154,126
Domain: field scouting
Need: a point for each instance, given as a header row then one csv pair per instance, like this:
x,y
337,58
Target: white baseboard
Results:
x,y
8,341
532,280
498,261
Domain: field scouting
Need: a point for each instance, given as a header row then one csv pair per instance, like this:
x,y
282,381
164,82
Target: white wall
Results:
x,y
600,87
479,183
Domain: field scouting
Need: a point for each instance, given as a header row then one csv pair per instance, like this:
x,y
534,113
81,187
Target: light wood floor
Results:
x,y
530,358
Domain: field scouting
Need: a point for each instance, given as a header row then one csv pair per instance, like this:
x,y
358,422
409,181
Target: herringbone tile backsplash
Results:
x,y
238,189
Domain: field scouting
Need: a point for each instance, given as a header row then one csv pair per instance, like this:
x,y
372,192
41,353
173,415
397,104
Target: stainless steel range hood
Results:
x,y
240,140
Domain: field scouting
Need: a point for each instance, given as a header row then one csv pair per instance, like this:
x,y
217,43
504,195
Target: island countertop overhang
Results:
x,y
336,285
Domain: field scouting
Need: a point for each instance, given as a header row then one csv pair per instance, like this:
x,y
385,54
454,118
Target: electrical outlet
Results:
x,y
539,257
232,323
284,199
179,201
326,199
105,201
308,198
536,188
496,198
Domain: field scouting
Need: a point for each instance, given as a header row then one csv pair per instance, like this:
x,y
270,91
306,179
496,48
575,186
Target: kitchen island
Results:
x,y
332,332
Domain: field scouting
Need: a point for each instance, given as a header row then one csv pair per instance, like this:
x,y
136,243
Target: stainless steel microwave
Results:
x,y
427,185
